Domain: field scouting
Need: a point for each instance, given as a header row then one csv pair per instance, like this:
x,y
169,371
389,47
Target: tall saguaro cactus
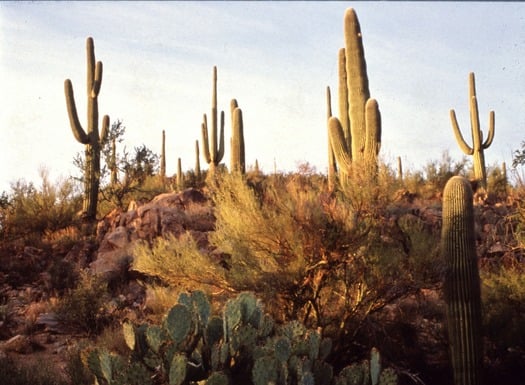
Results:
x,y
213,153
359,115
462,282
91,138
478,145
237,159
163,156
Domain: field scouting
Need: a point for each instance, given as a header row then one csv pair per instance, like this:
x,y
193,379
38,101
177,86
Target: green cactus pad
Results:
x,y
325,348
265,371
283,349
155,337
129,334
355,374
388,377
177,373
178,323
214,330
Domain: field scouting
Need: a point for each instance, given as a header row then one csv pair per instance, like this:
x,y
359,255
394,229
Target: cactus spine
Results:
x,y
213,153
163,156
462,282
237,160
92,140
478,145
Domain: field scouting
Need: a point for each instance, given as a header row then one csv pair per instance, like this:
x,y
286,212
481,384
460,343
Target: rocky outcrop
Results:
x,y
168,213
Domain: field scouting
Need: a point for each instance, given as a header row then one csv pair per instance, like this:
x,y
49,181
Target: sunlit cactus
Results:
x,y
478,144
91,138
359,115
462,282
180,175
237,161
332,165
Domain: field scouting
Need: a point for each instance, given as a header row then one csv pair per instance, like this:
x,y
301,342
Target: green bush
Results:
x,y
85,307
503,295
27,211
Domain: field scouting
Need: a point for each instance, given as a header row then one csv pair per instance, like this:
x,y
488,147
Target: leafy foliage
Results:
x,y
29,211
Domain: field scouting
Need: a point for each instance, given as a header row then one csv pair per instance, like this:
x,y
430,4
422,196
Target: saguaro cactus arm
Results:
x,y
373,129
78,132
338,144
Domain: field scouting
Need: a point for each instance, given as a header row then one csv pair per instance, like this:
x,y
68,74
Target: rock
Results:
x,y
166,214
18,344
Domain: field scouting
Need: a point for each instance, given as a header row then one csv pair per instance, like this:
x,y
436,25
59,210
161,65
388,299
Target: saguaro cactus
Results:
x,y
163,156
92,140
359,115
237,160
213,153
197,162
180,175
462,282
478,145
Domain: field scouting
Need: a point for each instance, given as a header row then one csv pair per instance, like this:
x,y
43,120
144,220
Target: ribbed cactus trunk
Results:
x,y
92,140
197,162
237,158
478,145
180,175
357,82
163,156
462,282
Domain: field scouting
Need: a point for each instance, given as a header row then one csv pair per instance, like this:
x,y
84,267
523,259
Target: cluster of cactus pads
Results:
x,y
243,346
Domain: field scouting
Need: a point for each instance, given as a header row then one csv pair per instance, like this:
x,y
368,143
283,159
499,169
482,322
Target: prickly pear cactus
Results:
x,y
244,346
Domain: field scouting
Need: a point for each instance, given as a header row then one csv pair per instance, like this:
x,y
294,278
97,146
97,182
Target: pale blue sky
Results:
x,y
275,58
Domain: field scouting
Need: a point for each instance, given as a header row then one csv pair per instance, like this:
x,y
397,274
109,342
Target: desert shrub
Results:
x,y
29,211
179,262
76,371
424,255
85,307
503,295
438,172
39,372
497,183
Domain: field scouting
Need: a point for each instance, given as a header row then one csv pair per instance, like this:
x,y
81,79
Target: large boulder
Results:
x,y
168,213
